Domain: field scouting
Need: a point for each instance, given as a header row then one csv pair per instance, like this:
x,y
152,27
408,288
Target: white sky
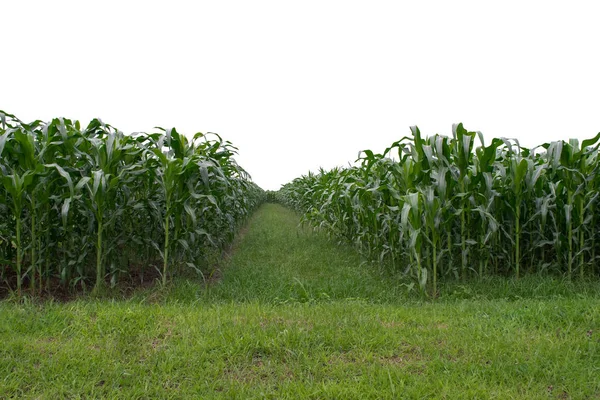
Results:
x,y
299,85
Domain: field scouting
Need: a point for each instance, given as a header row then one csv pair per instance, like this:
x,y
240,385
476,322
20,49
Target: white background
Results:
x,y
303,84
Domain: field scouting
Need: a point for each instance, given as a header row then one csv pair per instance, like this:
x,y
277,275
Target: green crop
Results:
x,y
83,206
455,207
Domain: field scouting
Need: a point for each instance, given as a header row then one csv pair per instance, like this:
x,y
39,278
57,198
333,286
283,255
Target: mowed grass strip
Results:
x,y
256,335
279,261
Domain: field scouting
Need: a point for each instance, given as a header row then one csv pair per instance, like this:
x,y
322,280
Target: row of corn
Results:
x,y
455,206
90,206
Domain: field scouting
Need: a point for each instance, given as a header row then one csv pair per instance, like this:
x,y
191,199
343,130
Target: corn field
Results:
x,y
90,206
455,207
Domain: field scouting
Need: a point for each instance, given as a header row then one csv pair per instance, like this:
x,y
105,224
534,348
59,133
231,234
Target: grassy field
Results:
x,y
295,315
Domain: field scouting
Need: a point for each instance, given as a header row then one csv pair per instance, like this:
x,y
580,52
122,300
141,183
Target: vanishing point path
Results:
x,y
278,261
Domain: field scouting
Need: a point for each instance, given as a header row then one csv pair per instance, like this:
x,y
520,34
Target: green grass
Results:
x,y
298,316
278,262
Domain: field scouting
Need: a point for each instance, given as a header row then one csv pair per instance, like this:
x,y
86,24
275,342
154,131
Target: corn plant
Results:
x,y
452,206
89,206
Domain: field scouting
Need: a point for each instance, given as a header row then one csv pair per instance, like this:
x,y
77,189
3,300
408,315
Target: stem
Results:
x,y
434,270
581,237
99,274
390,243
496,240
376,230
463,245
463,234
33,244
449,248
570,235
166,253
481,257
19,277
418,260
46,250
517,236
41,280
593,255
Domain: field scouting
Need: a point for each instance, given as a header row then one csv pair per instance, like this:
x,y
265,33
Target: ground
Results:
x,y
296,315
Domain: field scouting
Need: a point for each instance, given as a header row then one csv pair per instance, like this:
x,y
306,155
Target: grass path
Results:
x,y
296,316
277,261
